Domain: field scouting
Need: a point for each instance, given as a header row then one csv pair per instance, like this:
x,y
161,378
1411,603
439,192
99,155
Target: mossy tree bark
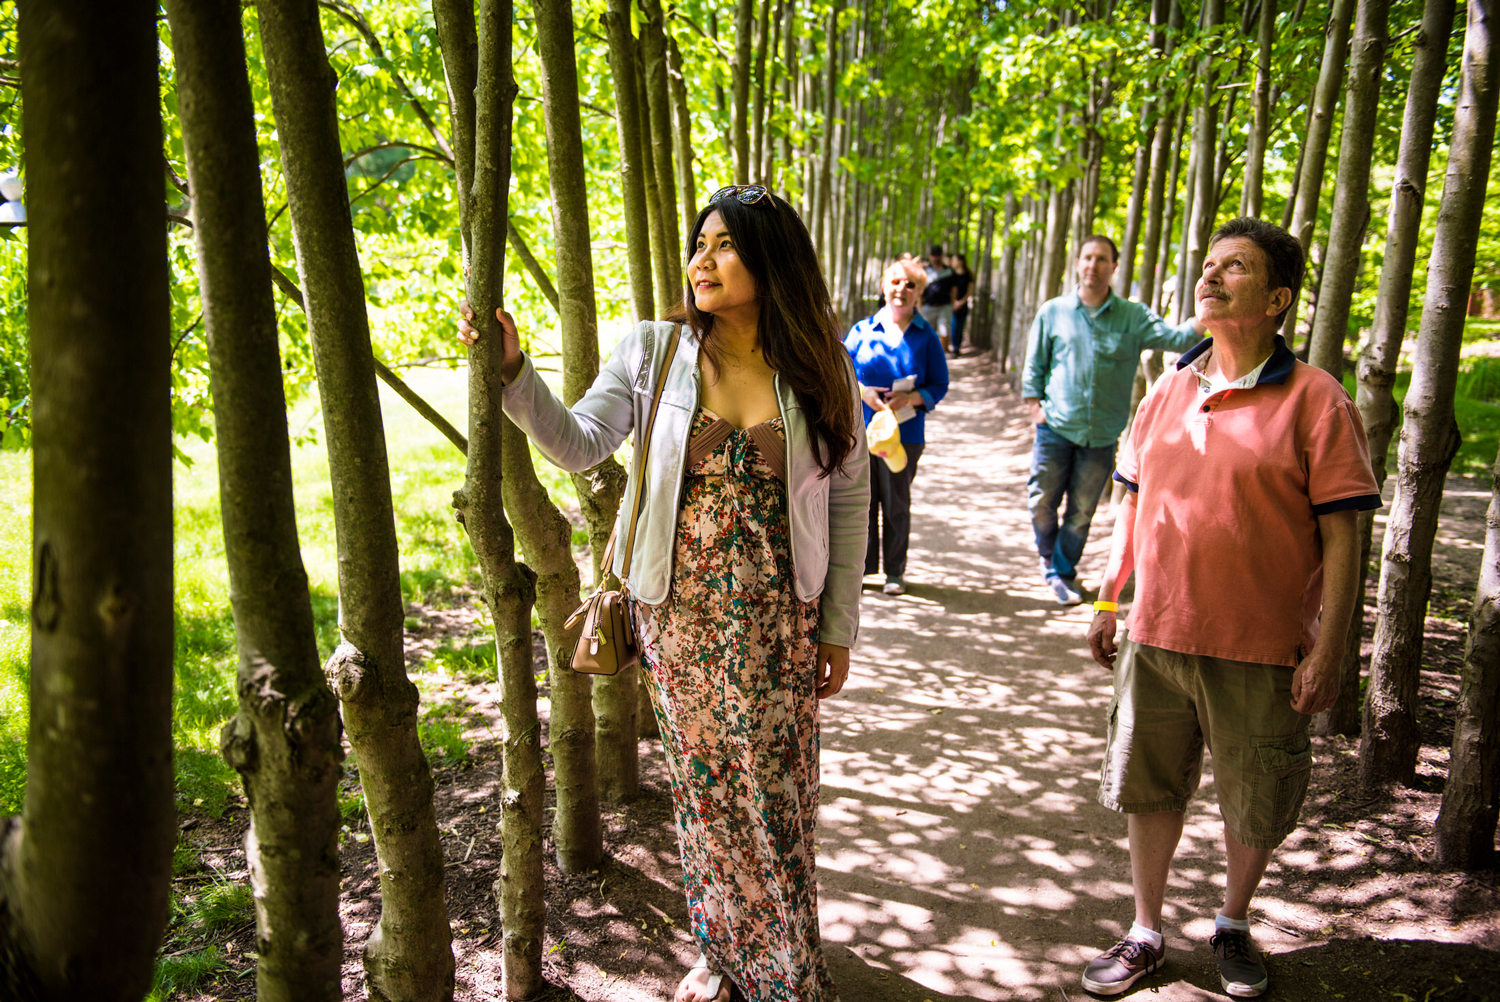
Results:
x,y
616,22
1429,431
1471,797
1376,372
740,73
659,114
482,109
409,955
1313,157
285,739
577,828
74,922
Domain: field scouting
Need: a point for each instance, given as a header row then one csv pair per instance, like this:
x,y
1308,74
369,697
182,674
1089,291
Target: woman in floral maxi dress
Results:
x,y
745,574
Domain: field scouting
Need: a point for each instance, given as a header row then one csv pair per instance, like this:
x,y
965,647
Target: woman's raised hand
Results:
x,y
510,340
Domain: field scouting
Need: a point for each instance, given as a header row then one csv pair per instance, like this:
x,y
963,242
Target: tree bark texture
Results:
x,y
740,72
663,240
758,92
1429,433
546,536
1471,797
622,61
1351,193
1252,190
285,739
1169,214
1006,299
659,102
1205,187
682,143
1376,372
1314,155
823,196
1140,182
409,955
509,587
74,922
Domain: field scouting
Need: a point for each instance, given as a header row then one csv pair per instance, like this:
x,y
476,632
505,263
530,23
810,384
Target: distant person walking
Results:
x,y
1081,357
1245,472
963,287
902,369
937,295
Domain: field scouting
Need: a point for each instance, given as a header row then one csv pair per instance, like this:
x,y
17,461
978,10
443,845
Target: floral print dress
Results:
x,y
731,664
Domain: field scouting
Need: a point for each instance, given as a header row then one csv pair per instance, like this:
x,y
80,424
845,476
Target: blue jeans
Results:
x,y
1059,467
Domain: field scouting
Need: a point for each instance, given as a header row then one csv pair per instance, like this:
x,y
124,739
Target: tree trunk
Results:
x,y
1205,187
1381,354
659,106
622,61
84,876
758,110
1005,307
663,240
545,535
1471,797
788,88
1140,181
740,70
1182,289
285,740
1314,156
1252,190
682,137
983,307
824,193
1351,193
1055,249
409,955
1169,215
1429,433
509,587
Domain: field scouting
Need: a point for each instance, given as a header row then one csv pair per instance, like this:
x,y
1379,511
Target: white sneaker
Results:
x,y
894,586
1065,591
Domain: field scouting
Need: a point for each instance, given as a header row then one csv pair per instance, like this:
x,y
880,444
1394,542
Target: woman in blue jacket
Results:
x,y
901,366
745,577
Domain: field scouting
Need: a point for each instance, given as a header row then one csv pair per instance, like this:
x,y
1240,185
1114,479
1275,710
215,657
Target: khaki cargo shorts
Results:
x,y
1168,706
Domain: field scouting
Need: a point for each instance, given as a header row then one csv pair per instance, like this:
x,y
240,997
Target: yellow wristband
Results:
x,y
1106,606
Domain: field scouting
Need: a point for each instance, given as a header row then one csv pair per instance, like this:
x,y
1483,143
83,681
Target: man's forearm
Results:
x,y
1121,551
1340,534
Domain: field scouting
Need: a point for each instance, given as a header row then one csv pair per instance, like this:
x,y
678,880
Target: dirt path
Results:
x,y
962,855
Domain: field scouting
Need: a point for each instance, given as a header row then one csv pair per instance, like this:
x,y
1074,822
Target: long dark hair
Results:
x,y
799,331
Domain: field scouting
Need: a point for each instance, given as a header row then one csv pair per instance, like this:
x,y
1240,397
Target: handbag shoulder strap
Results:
x,y
640,473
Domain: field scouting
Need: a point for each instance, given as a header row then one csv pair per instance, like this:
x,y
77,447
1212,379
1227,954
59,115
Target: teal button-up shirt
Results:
x,y
1082,367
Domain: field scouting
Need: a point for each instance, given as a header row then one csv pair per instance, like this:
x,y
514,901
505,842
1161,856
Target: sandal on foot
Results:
x,y
715,982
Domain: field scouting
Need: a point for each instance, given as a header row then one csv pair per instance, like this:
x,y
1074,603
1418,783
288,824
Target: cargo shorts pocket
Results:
x,y
1284,764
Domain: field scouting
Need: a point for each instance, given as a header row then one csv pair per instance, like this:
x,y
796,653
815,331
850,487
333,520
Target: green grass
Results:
x,y
437,567
183,972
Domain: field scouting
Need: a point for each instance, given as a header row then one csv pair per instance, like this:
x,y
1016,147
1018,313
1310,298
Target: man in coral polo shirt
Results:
x,y
1245,470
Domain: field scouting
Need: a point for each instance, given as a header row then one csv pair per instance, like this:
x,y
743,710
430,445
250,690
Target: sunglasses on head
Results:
x,y
745,194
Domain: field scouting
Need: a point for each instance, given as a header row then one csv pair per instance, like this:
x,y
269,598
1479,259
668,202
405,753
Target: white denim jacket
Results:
x,y
828,516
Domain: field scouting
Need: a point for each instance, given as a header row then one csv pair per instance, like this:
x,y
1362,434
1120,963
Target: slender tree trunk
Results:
x,y
1169,215
74,922
1205,141
1181,293
663,240
285,740
654,53
1351,194
1139,184
740,72
544,533
1315,146
1251,192
1471,796
766,165
622,61
509,587
983,307
682,142
1429,433
1055,251
409,955
1379,359
1005,307
788,88
758,109
824,192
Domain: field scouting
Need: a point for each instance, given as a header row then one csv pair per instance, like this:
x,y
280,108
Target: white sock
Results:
x,y
1222,921
1141,934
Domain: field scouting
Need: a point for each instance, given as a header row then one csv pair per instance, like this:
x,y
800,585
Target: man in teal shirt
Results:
x,y
1081,357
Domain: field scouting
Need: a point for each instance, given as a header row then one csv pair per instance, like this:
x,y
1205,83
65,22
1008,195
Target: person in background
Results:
x,y
901,367
1081,357
1245,473
744,583
963,287
937,295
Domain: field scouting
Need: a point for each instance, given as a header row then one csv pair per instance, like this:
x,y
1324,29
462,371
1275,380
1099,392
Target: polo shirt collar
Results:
x,y
885,320
1276,368
1078,303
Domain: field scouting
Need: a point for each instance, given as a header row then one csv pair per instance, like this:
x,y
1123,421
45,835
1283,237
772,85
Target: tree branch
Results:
x,y
393,169
405,392
351,13
678,15
435,154
533,266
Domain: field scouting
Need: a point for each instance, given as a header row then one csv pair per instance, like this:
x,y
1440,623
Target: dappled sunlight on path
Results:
x,y
962,853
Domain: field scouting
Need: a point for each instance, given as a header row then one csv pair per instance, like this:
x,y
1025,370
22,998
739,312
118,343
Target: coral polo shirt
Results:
x,y
1229,485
